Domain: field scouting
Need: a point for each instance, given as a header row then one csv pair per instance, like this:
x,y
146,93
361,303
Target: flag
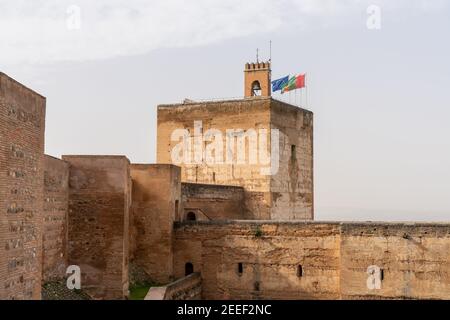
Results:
x,y
296,82
279,83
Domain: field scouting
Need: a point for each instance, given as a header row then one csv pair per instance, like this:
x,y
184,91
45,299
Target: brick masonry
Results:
x,y
22,125
99,212
98,223
156,205
56,205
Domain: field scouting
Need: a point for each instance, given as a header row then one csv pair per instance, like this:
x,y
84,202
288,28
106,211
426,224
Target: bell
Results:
x,y
256,86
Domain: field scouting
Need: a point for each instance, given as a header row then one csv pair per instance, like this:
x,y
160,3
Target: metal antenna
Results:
x,y
257,55
270,51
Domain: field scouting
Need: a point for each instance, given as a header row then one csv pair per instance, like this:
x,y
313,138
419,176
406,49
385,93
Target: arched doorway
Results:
x,y
191,216
188,268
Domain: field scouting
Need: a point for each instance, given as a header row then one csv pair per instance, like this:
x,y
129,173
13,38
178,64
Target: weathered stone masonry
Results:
x,y
100,213
98,223
56,206
287,195
22,125
315,260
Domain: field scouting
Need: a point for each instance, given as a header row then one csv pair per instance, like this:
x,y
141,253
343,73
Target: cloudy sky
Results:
x,y
379,88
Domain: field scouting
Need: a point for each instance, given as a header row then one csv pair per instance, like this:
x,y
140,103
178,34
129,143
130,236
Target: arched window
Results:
x,y
256,88
188,268
191,216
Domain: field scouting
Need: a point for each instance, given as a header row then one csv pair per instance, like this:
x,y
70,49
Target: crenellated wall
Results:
x,y
315,260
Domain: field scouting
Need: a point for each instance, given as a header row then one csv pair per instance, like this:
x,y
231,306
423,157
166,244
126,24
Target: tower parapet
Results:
x,y
257,79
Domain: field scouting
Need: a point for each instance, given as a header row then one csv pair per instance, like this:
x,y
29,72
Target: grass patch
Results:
x,y
138,291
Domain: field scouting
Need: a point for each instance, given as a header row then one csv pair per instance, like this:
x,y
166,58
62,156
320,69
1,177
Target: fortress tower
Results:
x,y
257,79
278,187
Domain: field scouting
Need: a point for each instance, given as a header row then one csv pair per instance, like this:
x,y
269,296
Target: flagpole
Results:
x,y
306,90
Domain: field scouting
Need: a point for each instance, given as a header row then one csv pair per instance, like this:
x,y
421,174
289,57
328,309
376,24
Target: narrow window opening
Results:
x,y
256,286
177,203
299,271
188,269
381,274
240,268
214,177
293,151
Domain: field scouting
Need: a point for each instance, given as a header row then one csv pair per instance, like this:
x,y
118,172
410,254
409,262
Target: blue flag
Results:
x,y
279,83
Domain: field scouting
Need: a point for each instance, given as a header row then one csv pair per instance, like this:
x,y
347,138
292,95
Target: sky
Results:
x,y
378,77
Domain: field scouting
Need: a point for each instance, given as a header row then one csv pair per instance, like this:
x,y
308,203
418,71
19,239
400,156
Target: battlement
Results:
x,y
251,66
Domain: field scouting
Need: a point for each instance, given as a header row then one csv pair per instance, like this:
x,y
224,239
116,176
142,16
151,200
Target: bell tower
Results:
x,y
257,79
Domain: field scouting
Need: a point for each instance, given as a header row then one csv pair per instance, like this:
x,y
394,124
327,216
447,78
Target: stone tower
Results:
x,y
239,128
257,79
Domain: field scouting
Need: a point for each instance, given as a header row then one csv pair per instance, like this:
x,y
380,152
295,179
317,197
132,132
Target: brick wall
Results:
x,y
156,205
22,126
214,201
315,260
56,204
98,223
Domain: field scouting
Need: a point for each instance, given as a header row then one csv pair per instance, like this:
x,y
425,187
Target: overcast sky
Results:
x,y
381,96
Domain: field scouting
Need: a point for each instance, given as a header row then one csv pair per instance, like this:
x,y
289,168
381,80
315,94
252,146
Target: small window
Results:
x,y
240,268
188,268
256,286
214,177
293,151
381,274
299,271
177,204
191,216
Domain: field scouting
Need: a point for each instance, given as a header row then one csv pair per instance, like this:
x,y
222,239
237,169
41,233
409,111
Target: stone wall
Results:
x,y
315,260
22,126
222,116
414,259
156,205
214,201
56,205
187,288
98,223
292,187
286,195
